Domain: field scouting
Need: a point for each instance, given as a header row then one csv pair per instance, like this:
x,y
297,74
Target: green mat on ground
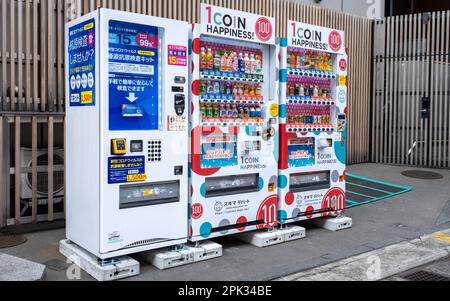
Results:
x,y
361,191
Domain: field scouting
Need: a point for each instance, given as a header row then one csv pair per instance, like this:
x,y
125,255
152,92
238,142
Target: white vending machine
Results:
x,y
234,145
313,109
127,132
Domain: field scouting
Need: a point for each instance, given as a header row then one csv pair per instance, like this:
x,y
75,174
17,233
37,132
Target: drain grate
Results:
x,y
422,175
425,276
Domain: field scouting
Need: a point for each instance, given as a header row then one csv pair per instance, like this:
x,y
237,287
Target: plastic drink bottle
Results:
x,y
258,112
209,60
216,87
235,62
202,110
293,60
246,63
299,61
223,111
223,60
230,61
258,63
203,64
258,91
302,90
251,90
241,112
217,61
241,63
229,111
252,64
209,87
235,112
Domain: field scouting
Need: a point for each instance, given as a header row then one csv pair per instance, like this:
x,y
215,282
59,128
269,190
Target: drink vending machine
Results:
x,y
313,104
127,132
234,143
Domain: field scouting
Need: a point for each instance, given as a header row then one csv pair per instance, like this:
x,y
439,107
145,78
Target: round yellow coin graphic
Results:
x,y
342,80
274,110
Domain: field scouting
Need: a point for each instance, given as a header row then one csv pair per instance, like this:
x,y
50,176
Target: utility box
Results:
x,y
127,132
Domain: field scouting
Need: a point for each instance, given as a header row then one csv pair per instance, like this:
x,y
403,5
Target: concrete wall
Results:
x,y
366,8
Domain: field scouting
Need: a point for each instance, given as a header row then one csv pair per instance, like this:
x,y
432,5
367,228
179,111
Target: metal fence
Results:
x,y
32,87
411,107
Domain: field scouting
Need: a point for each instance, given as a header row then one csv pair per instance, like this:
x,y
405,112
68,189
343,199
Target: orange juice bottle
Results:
x,y
202,59
293,60
209,59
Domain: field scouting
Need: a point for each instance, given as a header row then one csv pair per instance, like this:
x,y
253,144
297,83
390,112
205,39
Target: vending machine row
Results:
x,y
173,135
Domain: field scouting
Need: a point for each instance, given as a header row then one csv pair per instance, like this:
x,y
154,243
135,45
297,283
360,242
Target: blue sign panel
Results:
x,y
126,169
81,48
133,77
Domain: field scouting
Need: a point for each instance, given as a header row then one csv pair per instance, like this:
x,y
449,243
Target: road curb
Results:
x,y
381,263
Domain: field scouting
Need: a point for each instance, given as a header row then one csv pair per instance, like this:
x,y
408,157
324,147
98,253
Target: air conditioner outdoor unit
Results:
x,y
42,175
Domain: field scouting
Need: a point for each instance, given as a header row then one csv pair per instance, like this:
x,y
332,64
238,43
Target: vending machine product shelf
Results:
x,y
127,132
313,107
234,145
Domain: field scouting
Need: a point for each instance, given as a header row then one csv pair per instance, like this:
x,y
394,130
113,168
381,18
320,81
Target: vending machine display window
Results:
x,y
232,85
231,185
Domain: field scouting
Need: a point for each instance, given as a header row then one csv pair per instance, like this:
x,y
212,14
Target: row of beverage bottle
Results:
x,y
230,112
308,115
310,60
230,88
226,58
308,90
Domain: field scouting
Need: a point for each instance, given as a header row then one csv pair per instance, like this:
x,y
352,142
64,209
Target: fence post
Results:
x,y
2,176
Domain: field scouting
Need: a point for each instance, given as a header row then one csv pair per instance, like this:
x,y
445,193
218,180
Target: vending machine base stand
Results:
x,y
102,270
267,238
182,255
333,223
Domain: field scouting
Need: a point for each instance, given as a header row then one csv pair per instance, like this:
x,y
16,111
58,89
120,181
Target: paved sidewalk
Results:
x,y
381,263
399,219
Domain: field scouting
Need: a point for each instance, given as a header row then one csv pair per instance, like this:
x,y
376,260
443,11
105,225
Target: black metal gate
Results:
x,y
411,106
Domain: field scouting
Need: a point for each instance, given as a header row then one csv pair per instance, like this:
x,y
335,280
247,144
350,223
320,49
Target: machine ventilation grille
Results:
x,y
145,242
154,150
42,177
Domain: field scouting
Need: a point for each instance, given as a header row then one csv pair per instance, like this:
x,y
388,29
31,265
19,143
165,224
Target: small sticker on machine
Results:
x,y
177,55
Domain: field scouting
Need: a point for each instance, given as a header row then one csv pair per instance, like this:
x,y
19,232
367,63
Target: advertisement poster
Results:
x,y
234,24
219,151
133,77
300,153
81,49
126,170
315,37
177,55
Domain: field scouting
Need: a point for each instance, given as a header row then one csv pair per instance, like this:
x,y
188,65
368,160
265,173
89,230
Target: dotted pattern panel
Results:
x,y
154,150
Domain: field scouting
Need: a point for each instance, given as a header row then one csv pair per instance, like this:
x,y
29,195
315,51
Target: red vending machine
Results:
x,y
313,105
234,121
